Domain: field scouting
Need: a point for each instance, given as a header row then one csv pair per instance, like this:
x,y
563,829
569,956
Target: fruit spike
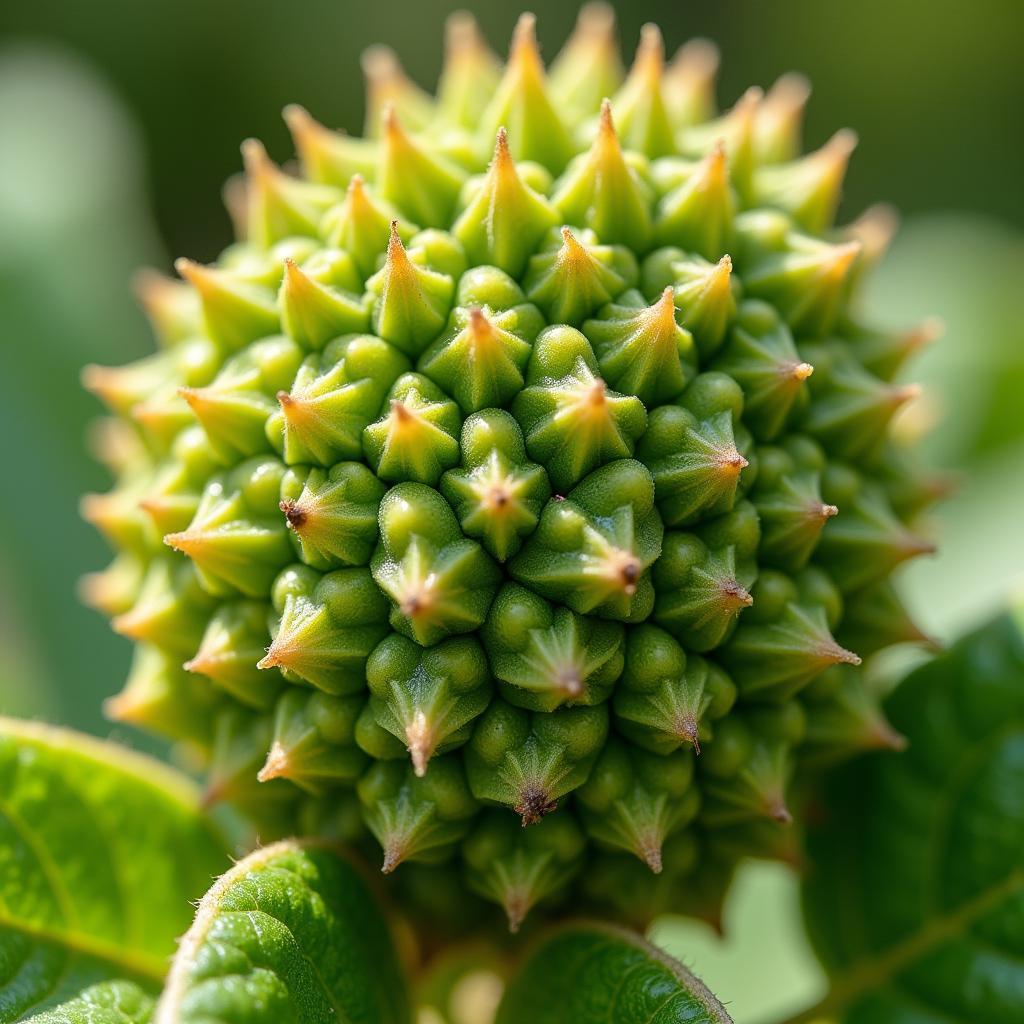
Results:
x,y
504,221
698,214
602,192
387,85
328,157
588,68
689,82
470,73
639,105
555,488
412,301
521,103
235,313
421,185
780,119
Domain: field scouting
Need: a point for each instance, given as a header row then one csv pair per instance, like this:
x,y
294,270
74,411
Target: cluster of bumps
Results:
x,y
524,463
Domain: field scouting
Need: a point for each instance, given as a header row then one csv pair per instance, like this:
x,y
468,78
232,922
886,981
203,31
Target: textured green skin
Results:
x,y
590,972
290,934
917,899
87,894
588,378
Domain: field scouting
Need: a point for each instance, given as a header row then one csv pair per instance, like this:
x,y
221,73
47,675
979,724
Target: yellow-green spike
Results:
x,y
689,83
423,186
329,157
778,130
810,187
602,192
235,312
279,206
698,214
523,106
588,68
313,312
171,307
387,85
361,225
412,302
736,130
639,105
569,283
806,285
505,220
470,75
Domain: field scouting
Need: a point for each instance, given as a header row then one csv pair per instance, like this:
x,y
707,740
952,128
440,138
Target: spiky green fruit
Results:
x,y
527,462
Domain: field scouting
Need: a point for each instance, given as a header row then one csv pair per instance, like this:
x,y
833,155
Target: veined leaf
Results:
x,y
916,903
290,935
600,973
101,850
109,1002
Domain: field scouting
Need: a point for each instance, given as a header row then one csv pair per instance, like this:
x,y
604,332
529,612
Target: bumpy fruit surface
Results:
x,y
524,463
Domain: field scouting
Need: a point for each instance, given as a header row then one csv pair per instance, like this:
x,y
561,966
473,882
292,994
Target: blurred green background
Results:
x,y
120,120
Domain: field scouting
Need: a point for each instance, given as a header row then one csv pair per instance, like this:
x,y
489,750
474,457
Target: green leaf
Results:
x,y
290,935
109,1002
597,972
916,903
101,850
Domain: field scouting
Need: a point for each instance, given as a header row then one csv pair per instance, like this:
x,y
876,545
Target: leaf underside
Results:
x,y
916,904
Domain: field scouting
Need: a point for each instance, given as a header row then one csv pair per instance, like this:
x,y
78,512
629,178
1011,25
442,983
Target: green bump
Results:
x,y
571,421
761,357
428,698
601,191
235,312
593,549
665,699
704,293
279,206
693,451
236,539
504,218
334,396
518,868
575,275
697,213
545,655
416,438
332,513
314,309
313,743
417,818
634,799
235,639
642,350
438,581
411,302
522,105
327,626
233,409
480,358
529,760
497,493
361,225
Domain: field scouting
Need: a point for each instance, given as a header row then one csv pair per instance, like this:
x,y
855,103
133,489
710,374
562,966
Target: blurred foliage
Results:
x,y
933,88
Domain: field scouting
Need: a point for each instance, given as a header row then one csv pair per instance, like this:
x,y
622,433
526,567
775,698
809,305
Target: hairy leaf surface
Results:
x,y
290,935
606,975
101,851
